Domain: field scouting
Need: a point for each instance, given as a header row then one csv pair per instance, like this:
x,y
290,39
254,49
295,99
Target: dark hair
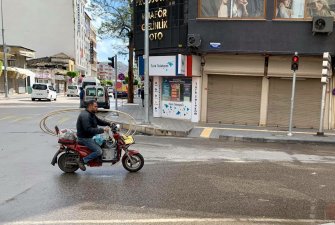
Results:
x,y
90,102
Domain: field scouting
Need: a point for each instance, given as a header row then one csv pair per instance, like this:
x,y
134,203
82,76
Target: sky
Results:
x,y
105,47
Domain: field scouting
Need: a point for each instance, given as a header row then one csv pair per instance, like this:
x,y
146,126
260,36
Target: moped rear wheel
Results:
x,y
66,162
135,164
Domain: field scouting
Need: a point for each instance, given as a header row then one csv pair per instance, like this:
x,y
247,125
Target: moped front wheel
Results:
x,y
133,164
67,163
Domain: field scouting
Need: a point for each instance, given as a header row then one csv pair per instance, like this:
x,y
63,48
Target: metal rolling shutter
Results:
x,y
234,99
307,103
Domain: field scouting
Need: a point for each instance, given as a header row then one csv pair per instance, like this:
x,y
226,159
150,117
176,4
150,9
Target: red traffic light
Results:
x,y
295,62
295,59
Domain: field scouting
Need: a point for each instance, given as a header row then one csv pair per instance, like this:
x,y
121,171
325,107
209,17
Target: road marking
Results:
x,y
170,220
21,118
63,120
7,117
206,132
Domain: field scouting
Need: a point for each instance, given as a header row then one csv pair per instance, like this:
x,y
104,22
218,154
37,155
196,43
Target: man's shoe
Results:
x,y
81,165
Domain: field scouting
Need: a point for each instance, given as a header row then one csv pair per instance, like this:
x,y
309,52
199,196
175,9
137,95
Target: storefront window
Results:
x,y
177,89
232,9
301,9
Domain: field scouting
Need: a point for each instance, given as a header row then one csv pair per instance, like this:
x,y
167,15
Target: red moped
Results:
x,y
71,151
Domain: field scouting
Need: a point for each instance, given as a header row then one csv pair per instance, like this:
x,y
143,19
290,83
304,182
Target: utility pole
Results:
x,y
4,54
146,63
326,68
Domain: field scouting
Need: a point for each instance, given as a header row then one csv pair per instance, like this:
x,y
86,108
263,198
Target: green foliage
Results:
x,y
72,74
103,82
116,20
1,64
106,83
109,82
126,80
135,82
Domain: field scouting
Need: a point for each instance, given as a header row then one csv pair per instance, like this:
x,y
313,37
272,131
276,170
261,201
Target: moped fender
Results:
x,y
133,152
54,159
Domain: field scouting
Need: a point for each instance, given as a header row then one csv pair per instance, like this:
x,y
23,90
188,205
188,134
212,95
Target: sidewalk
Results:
x,y
183,128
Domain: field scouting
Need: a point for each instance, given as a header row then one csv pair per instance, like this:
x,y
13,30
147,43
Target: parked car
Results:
x,y
122,94
43,91
110,92
72,90
99,93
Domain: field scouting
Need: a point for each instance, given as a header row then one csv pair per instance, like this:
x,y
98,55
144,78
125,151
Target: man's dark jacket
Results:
x,y
87,125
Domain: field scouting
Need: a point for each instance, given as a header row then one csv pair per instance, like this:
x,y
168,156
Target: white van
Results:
x,y
98,93
43,91
72,90
90,81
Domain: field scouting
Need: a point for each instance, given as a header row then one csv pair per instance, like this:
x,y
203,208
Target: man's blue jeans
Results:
x,y
94,147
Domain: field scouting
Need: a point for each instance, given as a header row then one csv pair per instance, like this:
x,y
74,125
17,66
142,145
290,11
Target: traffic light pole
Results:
x,y
292,104
115,89
321,130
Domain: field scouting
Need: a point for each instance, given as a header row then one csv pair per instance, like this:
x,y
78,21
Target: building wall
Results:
x,y
43,25
265,35
105,71
47,26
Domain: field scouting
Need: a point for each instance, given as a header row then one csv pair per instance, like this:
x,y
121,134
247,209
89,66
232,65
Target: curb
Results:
x,y
274,140
156,131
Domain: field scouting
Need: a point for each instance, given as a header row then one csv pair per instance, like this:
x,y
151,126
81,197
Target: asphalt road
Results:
x,y
184,180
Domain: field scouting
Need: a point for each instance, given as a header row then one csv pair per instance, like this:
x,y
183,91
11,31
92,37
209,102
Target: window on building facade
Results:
x,y
232,9
304,9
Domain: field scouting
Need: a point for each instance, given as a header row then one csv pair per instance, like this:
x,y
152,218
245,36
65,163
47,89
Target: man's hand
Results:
x,y
106,129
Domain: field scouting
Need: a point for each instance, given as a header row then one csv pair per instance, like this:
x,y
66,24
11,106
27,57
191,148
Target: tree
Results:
x,y
117,16
72,74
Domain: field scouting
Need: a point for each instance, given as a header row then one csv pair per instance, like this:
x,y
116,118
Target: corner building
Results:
x,y
243,60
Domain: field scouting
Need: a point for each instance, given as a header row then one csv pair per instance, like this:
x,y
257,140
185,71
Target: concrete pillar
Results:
x,y
264,101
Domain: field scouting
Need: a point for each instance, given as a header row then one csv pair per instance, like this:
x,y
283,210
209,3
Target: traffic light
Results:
x,y
295,62
112,61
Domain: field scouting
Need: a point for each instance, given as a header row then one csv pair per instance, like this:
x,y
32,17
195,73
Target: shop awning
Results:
x,y
19,72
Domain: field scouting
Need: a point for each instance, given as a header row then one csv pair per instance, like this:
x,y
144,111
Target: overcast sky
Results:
x,y
105,47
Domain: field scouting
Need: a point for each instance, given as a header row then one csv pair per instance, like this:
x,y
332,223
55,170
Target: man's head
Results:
x,y
92,106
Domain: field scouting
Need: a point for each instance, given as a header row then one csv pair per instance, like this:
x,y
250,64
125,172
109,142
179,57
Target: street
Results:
x,y
183,181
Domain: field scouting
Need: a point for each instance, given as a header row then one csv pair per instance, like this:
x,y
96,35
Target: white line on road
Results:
x,y
170,220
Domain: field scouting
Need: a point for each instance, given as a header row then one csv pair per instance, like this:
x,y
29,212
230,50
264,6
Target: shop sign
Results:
x,y
196,99
157,97
162,66
27,54
158,18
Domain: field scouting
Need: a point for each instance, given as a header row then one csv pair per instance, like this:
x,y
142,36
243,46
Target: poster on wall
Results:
x,y
176,98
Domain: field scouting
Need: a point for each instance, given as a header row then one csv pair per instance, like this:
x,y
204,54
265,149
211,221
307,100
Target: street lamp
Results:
x,y
146,62
4,54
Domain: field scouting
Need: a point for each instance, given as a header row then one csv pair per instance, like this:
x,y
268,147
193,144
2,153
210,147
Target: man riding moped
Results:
x,y
87,127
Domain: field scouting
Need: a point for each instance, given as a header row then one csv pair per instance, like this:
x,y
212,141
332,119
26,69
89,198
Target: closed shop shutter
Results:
x,y
307,103
234,99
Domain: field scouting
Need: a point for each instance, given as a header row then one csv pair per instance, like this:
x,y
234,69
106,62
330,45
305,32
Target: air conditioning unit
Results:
x,y
323,24
193,40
